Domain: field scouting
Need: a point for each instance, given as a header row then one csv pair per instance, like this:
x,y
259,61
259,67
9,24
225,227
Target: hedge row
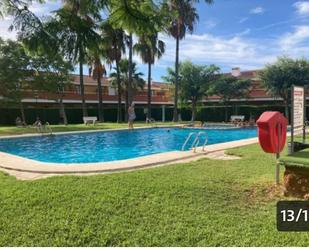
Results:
x,y
8,116
210,114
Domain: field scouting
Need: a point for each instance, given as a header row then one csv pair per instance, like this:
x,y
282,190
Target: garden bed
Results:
x,y
296,175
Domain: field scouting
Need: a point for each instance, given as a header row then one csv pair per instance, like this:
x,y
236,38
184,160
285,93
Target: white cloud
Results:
x,y
244,19
297,39
247,31
4,29
46,8
208,46
257,11
38,9
275,24
302,8
238,50
7,18
226,52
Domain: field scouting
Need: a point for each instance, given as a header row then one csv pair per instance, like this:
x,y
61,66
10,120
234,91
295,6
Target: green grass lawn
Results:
x,y
13,130
203,203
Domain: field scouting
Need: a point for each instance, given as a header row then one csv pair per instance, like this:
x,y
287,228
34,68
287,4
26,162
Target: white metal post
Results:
x,y
278,155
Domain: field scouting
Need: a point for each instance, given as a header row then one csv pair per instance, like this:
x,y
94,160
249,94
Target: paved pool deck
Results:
x,y
27,169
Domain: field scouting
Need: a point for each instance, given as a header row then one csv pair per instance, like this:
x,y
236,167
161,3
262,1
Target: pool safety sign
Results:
x,y
298,109
298,113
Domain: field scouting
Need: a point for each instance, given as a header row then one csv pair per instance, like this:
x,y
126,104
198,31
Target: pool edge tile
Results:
x,y
21,164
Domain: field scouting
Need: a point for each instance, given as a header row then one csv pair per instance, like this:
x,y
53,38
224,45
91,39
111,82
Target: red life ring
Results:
x,y
270,125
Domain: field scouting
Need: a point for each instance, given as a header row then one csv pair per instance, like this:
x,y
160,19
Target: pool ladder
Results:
x,y
45,129
196,141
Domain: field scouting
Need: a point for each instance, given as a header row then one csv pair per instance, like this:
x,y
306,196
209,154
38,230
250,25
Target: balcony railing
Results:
x,y
70,95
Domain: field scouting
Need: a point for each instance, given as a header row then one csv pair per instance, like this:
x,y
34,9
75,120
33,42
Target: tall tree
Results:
x,y
43,46
195,81
183,17
14,72
52,76
150,48
279,77
75,28
72,32
114,43
97,71
229,87
135,17
21,71
137,80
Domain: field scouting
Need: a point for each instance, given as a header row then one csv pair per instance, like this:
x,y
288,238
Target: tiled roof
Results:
x,y
88,80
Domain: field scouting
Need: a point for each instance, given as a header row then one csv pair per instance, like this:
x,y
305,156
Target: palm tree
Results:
x,y
183,18
114,42
24,20
76,30
149,48
137,81
135,17
86,7
97,70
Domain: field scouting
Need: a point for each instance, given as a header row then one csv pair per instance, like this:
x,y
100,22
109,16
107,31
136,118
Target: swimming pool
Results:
x,y
104,146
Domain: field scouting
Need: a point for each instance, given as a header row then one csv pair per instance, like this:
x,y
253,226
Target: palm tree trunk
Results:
x,y
126,106
82,89
62,112
286,110
225,112
130,93
175,114
119,111
193,117
22,112
149,92
100,104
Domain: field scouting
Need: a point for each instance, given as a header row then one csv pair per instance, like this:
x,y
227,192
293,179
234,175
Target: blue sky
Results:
x,y
230,33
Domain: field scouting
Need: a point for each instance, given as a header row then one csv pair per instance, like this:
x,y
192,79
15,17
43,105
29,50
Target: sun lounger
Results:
x,y
90,120
237,118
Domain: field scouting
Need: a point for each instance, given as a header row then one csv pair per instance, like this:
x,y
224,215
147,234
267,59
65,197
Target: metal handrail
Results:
x,y
187,140
44,129
205,142
197,140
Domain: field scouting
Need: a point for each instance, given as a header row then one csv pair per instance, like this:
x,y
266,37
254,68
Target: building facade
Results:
x,y
43,104
162,93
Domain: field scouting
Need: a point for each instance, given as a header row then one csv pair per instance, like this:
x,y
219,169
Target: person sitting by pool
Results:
x,y
132,116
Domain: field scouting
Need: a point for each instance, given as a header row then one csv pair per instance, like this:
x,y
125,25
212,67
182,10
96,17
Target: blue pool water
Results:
x,y
112,145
